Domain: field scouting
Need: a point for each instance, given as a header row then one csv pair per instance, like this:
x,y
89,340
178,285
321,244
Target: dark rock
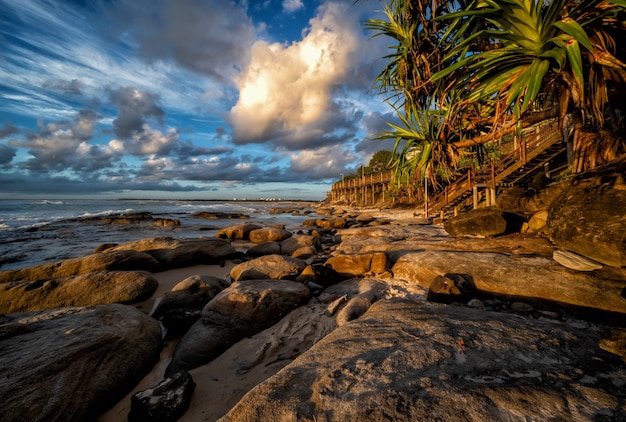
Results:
x,y
520,200
178,321
165,402
176,253
483,222
421,361
244,308
215,215
589,216
267,248
130,218
72,364
97,288
192,293
450,288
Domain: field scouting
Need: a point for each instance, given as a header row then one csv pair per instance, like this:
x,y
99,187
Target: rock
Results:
x,y
538,222
166,402
304,252
615,343
408,361
244,308
476,304
178,321
353,309
276,267
97,288
126,260
450,288
104,246
268,234
365,218
307,275
335,305
358,265
519,200
588,217
291,245
239,231
336,223
522,276
216,215
521,307
130,218
176,253
574,261
483,222
267,248
75,363
192,293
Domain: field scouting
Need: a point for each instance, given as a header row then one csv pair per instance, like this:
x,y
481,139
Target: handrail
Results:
x,y
534,141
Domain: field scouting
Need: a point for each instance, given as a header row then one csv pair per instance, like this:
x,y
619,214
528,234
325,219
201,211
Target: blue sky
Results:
x,y
199,99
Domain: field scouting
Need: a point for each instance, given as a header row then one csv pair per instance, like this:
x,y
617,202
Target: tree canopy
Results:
x,y
461,73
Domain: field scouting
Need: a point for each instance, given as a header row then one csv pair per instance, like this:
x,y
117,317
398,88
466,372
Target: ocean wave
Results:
x,y
48,202
106,212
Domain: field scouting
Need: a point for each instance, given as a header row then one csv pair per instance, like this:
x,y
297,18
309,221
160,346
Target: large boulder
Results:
x,y
528,201
589,216
483,222
413,360
267,248
97,288
269,234
276,267
180,308
358,265
120,260
244,308
176,253
238,231
513,275
194,292
72,364
294,244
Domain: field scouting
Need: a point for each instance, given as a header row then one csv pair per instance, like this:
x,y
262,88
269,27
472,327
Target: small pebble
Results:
x,y
521,307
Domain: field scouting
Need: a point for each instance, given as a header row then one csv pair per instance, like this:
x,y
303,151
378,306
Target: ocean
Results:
x,y
34,232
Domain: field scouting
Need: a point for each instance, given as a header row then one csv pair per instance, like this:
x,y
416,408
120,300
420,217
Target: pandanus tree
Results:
x,y
484,65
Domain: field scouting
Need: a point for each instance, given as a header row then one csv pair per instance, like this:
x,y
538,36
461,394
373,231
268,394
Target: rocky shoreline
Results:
x,y
358,314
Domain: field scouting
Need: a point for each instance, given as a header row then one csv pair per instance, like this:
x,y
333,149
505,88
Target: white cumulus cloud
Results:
x,y
287,88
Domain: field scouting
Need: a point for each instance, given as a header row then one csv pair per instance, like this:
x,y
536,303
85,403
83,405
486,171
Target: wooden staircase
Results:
x,y
530,155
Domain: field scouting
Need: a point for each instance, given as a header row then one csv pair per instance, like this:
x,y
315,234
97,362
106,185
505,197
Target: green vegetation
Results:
x,y
463,75
381,162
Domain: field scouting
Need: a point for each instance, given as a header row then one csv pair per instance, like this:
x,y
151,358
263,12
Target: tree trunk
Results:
x,y
529,120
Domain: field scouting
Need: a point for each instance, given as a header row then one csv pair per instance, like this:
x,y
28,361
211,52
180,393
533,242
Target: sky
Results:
x,y
186,99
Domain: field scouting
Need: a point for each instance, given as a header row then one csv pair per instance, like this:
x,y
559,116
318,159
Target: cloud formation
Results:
x,y
287,91
211,37
134,109
291,6
108,95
